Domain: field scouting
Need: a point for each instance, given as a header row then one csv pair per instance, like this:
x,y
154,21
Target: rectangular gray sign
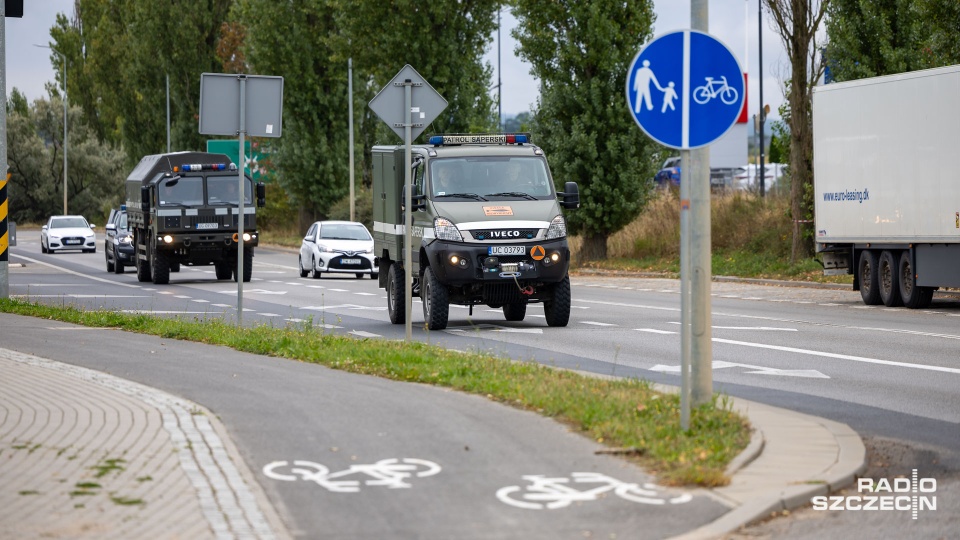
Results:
x,y
220,104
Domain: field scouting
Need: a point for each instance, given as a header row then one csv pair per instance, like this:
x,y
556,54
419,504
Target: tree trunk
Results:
x,y
594,247
801,135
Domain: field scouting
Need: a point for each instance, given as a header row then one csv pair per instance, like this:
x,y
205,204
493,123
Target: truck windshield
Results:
x,y
222,190
496,177
183,191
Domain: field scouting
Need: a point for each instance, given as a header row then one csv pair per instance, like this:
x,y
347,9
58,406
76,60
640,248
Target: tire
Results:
x,y
160,268
223,270
316,273
43,248
143,266
557,308
117,265
359,276
869,282
914,297
106,257
94,250
303,273
888,277
374,276
395,295
247,266
175,267
436,302
514,312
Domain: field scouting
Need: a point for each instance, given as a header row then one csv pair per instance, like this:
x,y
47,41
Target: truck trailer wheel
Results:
x,y
436,303
395,295
142,265
888,274
557,308
160,268
869,282
515,312
913,297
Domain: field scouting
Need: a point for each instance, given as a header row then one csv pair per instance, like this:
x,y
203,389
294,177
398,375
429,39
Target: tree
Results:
x,y
580,51
867,38
35,157
797,22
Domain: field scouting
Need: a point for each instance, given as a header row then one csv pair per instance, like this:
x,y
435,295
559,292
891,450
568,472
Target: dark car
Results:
x,y
118,242
669,174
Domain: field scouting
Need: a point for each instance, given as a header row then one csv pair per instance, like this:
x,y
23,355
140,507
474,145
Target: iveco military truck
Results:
x,y
487,227
183,209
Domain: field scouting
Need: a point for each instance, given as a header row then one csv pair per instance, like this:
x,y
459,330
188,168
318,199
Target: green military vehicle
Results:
x,y
182,208
487,227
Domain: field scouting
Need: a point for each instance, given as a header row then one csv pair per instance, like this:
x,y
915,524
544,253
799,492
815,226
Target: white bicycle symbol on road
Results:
x,y
391,473
712,89
553,493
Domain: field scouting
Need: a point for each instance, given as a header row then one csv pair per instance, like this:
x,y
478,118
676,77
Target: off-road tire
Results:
x,y
395,295
247,266
175,267
436,302
557,308
222,270
160,264
142,266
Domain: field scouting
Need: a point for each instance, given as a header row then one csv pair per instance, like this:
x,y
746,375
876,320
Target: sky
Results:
x,y
734,22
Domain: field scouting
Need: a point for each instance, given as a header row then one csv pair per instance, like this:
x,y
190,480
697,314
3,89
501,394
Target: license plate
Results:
x,y
506,250
72,242
207,225
350,261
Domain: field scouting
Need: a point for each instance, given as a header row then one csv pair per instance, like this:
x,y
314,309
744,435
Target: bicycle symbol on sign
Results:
x,y
553,493
391,473
714,88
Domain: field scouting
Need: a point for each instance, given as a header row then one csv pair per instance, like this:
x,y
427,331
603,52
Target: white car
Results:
x,y
67,232
337,247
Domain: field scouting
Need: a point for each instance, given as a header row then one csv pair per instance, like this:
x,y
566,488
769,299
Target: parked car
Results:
x,y
66,233
337,247
669,174
745,177
118,242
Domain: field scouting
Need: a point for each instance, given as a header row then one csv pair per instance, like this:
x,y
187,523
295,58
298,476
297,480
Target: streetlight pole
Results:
x,y
64,58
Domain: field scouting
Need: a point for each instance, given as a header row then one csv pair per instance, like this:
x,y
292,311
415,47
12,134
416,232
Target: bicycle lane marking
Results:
x,y
391,473
552,493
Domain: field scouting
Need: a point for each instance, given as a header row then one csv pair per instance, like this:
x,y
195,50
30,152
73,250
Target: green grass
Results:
x,y
621,413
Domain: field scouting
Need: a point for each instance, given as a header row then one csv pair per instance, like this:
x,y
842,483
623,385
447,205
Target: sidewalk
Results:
x,y
84,454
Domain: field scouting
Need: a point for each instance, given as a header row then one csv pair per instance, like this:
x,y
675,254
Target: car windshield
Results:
x,y
338,231
223,190
479,178
186,191
69,222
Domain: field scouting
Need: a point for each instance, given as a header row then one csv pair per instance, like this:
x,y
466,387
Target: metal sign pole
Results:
x,y
4,177
685,181
240,191
408,209
350,123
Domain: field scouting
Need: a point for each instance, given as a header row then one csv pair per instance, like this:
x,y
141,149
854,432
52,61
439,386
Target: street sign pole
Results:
x,y
241,166
407,211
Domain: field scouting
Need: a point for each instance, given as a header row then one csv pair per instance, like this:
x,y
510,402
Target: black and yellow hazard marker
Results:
x,y
4,236
538,253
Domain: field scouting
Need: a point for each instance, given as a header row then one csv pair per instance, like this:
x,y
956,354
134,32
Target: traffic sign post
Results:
x,y
408,104
685,89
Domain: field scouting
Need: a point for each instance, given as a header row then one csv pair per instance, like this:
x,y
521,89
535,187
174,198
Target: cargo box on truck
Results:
x,y
887,183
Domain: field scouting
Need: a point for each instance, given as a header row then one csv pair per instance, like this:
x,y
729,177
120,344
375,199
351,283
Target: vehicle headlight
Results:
x,y
444,229
558,228
366,251
325,249
127,239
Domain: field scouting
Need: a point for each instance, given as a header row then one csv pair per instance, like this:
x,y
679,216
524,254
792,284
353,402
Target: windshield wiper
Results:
x,y
463,195
513,194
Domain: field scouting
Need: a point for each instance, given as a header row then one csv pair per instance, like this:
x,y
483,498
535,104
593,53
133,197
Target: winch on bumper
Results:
x,y
479,271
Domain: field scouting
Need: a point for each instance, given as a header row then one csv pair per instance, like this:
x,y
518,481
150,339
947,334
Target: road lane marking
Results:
x,y
361,333
593,323
747,327
758,370
654,331
840,356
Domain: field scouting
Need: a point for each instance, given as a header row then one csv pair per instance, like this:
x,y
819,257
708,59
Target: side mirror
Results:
x,y
111,229
261,194
570,195
145,198
416,199
43,228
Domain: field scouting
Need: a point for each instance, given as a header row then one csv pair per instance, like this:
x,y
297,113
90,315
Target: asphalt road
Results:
x,y
891,374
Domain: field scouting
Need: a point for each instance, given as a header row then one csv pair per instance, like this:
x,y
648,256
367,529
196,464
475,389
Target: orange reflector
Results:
x,y
537,253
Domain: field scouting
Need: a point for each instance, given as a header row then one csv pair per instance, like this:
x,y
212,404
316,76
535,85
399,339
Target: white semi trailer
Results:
x,y
886,183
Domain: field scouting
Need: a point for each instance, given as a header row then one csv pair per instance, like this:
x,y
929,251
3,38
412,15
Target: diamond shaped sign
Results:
x,y
426,104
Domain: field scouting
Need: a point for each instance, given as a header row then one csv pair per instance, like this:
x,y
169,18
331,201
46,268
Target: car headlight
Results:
x,y
444,229
128,239
325,249
558,228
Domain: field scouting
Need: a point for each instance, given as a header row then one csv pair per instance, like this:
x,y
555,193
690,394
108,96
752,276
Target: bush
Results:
x,y
363,207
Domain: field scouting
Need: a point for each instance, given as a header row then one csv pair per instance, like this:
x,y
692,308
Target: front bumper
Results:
x,y
339,263
125,254
66,243
542,262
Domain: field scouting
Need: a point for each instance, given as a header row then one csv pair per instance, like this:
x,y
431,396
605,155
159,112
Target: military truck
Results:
x,y
182,209
487,228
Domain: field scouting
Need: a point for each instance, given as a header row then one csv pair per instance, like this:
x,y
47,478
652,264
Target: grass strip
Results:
x,y
625,414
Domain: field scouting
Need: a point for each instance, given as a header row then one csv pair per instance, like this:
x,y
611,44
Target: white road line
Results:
x,y
268,314
597,323
654,331
338,290
200,301
747,327
319,287
361,333
155,312
366,294
221,305
829,304
183,296
79,296
840,356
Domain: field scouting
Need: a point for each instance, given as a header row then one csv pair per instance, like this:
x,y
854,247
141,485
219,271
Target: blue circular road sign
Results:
x,y
685,89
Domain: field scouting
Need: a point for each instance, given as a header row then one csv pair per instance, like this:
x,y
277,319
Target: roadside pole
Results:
x,y
4,176
407,211
240,167
350,124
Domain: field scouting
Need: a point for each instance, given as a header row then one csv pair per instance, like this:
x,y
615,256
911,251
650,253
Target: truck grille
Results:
x,y
502,293
489,235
